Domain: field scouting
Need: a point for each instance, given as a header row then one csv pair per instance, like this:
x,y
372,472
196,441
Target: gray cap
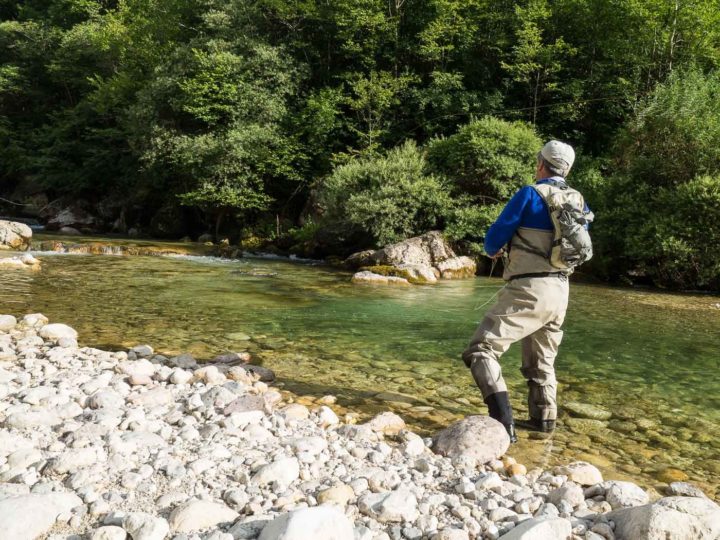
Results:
x,y
559,155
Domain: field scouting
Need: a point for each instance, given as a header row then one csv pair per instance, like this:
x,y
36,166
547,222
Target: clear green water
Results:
x,y
650,358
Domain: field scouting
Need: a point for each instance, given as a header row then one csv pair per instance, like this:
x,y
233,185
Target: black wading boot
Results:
x,y
534,424
499,408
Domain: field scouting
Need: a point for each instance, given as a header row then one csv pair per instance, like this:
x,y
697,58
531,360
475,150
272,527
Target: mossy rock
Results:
x,y
252,242
394,271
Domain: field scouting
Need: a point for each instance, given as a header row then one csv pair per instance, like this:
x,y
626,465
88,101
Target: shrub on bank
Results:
x,y
384,198
658,208
678,244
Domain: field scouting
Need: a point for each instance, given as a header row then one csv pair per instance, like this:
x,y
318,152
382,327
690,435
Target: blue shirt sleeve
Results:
x,y
502,231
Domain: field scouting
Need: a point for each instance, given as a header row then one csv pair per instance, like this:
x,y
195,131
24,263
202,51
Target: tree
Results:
x,y
535,62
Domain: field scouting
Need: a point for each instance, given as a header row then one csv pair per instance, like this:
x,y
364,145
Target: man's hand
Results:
x,y
497,255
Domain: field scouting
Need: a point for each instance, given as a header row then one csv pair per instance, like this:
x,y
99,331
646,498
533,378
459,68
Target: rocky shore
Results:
x,y
102,445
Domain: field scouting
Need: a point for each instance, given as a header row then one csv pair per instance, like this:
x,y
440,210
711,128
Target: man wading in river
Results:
x,y
542,235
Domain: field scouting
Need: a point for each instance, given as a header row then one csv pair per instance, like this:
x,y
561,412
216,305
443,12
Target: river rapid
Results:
x,y
639,394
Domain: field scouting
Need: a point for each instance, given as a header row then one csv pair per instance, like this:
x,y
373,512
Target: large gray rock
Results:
x,y
30,516
318,523
422,259
543,528
671,518
15,236
457,268
426,250
479,438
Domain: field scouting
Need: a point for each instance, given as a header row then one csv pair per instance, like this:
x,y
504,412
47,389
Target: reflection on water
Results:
x,y
650,358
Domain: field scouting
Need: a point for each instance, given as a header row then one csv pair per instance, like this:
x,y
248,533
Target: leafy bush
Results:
x,y
679,243
386,198
488,158
658,213
467,224
675,136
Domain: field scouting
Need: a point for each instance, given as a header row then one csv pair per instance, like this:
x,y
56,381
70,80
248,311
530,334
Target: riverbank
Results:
x,y
98,444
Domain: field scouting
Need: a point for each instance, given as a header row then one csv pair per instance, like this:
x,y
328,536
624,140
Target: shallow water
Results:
x,y
650,358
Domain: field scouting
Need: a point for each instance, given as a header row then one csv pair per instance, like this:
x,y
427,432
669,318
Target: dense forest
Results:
x,y
325,126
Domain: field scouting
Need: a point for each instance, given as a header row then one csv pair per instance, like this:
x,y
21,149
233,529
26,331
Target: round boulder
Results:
x,y
55,332
479,438
7,323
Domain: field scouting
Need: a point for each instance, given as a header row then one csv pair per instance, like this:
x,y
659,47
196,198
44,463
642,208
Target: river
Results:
x,y
649,358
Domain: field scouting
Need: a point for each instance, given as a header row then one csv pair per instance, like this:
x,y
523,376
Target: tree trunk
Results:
x,y
219,217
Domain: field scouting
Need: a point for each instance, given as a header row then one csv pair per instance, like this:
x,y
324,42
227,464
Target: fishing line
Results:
x,y
494,296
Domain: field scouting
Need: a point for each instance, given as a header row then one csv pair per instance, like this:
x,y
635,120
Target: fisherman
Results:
x,y
531,307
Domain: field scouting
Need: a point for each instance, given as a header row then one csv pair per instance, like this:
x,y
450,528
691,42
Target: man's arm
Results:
x,y
502,231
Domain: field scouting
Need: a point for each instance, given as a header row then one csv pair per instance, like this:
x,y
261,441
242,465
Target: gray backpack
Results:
x,y
572,245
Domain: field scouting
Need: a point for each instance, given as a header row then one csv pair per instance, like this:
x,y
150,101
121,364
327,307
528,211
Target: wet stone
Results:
x,y
587,410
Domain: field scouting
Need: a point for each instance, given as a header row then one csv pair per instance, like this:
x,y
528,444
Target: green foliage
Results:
x,y
676,134
468,222
657,209
236,107
386,198
678,243
488,159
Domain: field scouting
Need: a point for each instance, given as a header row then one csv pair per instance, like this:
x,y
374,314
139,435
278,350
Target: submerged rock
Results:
x,y
26,261
586,410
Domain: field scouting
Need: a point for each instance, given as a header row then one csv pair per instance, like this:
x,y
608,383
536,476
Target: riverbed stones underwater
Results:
x,y
114,445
